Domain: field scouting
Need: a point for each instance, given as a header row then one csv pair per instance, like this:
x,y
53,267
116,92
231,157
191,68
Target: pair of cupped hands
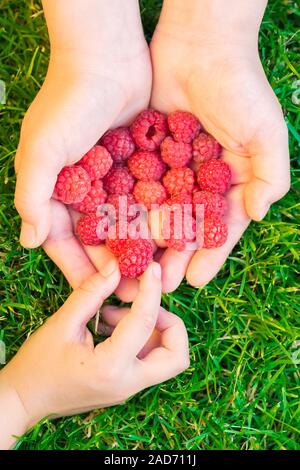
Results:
x,y
87,93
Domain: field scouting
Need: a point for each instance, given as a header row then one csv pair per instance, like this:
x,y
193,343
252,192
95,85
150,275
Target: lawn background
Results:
x,y
242,388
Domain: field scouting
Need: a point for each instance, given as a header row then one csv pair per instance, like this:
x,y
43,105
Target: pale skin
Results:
x,y
59,371
205,59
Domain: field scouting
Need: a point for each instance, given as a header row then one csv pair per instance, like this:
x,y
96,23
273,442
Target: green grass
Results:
x,y
242,388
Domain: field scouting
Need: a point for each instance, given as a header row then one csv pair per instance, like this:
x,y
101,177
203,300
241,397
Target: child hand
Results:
x,y
221,80
59,371
99,77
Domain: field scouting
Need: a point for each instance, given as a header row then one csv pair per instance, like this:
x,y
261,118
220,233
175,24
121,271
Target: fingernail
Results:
x,y
156,270
108,269
27,235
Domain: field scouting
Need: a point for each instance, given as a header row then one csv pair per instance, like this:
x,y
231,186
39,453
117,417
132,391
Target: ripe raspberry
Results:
x,y
118,181
179,200
184,126
137,256
117,238
97,162
205,147
149,129
175,154
178,180
119,143
94,198
215,205
215,176
72,184
91,229
146,166
178,230
149,192
122,204
215,233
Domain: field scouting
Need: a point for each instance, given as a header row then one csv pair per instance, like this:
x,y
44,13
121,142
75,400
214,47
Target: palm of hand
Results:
x,y
235,103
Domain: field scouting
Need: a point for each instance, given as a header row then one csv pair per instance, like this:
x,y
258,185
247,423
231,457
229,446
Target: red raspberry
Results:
x,y
149,192
122,204
175,154
215,205
119,143
215,233
91,229
179,200
184,126
72,185
178,180
117,238
205,147
97,162
137,256
146,166
149,129
118,181
215,176
94,198
178,230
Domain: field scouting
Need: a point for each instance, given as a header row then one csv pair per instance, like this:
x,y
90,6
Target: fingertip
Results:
x,y
32,236
153,272
28,236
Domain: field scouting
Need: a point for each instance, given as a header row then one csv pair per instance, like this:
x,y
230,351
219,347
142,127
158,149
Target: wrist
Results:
x,y
90,27
213,23
14,420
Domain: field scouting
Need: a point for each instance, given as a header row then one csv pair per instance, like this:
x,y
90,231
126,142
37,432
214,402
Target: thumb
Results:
x,y
37,171
84,302
271,174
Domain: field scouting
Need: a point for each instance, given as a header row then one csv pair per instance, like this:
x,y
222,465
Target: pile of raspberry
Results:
x,y
162,162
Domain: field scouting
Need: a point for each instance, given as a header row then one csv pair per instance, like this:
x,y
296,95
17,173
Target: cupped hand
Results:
x,y
59,370
225,86
80,99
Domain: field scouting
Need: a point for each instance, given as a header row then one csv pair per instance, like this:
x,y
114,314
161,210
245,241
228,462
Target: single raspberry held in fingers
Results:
x,y
215,176
184,126
178,180
214,204
92,230
205,147
136,257
119,143
149,129
178,230
94,198
72,185
175,154
146,166
122,205
97,162
118,181
215,232
149,192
